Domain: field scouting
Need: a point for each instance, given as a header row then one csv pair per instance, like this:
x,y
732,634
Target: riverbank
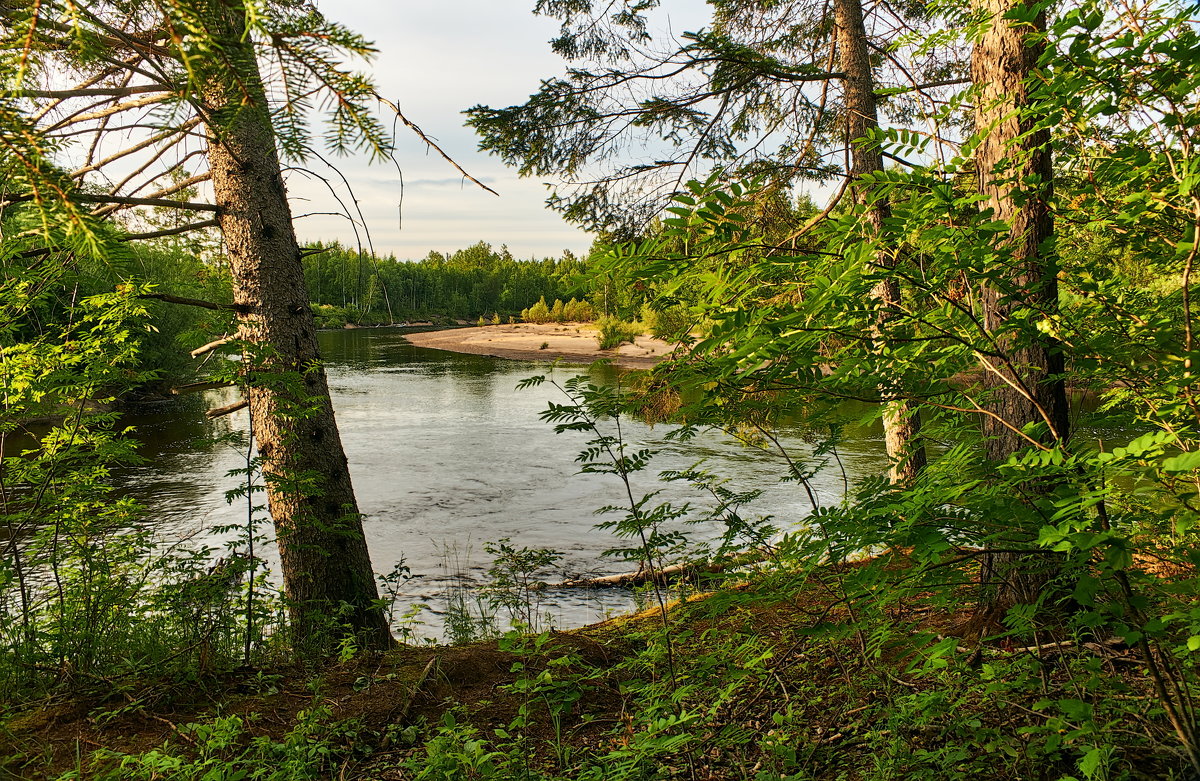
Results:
x,y
571,342
780,681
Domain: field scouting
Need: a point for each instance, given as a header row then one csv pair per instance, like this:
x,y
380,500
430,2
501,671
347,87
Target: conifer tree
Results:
x,y
195,65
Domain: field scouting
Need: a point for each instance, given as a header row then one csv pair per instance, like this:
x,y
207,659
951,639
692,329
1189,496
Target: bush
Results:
x,y
578,312
538,313
670,324
615,332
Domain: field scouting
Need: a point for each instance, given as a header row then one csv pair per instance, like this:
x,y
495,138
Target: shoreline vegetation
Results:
x,y
569,342
577,703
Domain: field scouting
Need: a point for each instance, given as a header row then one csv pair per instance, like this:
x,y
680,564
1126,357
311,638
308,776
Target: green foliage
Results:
x,y
671,324
225,748
514,581
614,332
571,312
477,283
538,313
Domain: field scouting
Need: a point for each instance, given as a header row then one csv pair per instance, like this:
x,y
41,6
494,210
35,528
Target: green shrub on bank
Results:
x,y
573,311
670,324
615,332
578,312
538,313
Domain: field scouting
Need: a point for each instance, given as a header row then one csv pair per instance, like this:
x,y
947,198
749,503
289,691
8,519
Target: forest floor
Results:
x,y
570,342
775,679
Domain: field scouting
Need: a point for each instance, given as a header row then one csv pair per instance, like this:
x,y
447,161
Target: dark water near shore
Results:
x,y
447,455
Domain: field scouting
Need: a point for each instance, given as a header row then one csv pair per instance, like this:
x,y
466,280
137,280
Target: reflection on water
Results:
x,y
446,455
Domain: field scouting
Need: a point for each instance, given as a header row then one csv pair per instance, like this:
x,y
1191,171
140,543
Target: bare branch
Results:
x,y
429,142
117,108
228,409
165,202
213,345
170,299
154,139
191,226
196,387
115,92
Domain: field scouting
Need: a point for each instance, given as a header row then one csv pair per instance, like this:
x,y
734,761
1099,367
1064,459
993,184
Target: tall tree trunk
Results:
x,y
1013,167
328,579
901,419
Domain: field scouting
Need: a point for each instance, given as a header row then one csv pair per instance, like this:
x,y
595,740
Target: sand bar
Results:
x,y
570,342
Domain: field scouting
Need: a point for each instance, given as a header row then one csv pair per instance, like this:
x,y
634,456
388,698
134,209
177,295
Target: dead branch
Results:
x,y
151,141
191,226
399,713
63,94
429,142
191,206
180,185
147,164
196,387
88,116
170,299
228,409
208,348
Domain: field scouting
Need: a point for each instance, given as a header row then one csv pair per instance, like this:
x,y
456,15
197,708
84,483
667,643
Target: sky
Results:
x,y
436,59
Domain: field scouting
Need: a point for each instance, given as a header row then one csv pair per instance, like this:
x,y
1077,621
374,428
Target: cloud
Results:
x,y
448,181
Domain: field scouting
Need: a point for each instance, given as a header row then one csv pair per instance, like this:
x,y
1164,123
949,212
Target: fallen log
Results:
x,y
228,409
195,387
641,577
663,574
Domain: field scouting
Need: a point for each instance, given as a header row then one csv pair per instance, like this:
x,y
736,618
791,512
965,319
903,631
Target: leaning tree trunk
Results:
x,y
328,580
901,419
1015,176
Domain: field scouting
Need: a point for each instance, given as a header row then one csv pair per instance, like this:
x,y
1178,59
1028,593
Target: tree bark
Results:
x,y
901,419
328,579
1013,166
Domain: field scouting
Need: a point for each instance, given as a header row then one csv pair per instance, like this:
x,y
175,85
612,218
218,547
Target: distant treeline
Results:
x,y
348,286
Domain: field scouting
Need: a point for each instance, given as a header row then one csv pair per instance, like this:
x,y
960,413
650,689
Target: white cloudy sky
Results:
x,y
437,58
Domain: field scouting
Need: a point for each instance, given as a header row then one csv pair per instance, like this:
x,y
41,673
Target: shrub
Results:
x,y
615,332
538,313
670,324
578,312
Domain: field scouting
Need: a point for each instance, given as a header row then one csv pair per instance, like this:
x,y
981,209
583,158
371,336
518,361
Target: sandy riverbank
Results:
x,y
571,342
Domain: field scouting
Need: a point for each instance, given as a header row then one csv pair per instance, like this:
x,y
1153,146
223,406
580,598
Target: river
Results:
x,y
447,455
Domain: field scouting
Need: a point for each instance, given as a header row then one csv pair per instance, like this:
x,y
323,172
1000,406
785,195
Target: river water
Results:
x,y
447,455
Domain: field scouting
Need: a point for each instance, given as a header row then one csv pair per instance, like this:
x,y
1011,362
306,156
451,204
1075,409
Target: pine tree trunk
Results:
x,y
901,419
328,579
1013,166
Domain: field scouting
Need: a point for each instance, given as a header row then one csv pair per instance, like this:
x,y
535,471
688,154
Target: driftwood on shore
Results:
x,y
663,574
642,576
